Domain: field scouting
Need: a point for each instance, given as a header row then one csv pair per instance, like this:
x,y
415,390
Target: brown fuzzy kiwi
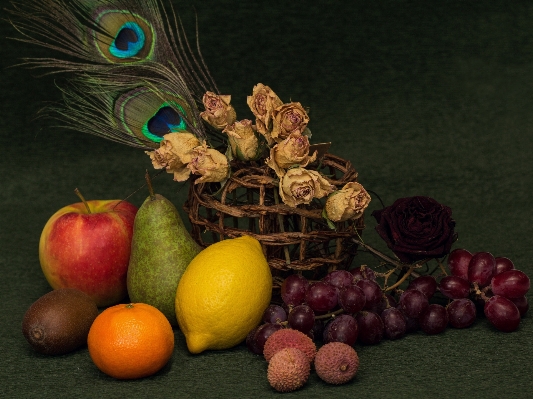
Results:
x,y
59,321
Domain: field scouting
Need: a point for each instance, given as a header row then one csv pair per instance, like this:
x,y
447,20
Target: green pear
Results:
x,y
161,250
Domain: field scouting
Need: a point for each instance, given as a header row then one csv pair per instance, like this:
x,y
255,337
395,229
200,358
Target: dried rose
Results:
x,y
263,102
300,186
347,203
211,164
294,150
174,153
243,141
218,111
288,118
416,228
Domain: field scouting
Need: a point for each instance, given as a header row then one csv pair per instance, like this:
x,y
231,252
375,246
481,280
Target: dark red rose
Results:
x,y
415,228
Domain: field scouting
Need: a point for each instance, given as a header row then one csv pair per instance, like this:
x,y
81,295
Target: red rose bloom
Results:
x,y
416,228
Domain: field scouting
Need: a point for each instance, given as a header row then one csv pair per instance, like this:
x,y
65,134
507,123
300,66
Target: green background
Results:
x,y
425,98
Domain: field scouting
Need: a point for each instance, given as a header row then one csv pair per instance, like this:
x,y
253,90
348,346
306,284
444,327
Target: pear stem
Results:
x,y
149,184
78,193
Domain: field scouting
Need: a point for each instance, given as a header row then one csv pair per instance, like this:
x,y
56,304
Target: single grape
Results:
x,y
481,268
372,292
522,305
454,287
394,323
502,313
502,265
274,314
294,289
371,328
339,278
434,320
341,328
352,299
425,284
262,333
321,296
413,303
458,261
363,273
302,318
461,313
510,284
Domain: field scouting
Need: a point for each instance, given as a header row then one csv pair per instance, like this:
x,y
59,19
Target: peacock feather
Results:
x,y
133,76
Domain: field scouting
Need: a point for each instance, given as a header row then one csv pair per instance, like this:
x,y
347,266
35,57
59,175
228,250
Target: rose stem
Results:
x,y
149,184
78,193
377,253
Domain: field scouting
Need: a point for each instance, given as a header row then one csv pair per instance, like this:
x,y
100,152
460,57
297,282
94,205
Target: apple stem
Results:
x,y
78,193
149,184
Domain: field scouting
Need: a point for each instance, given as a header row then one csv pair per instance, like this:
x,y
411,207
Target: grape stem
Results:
x,y
328,315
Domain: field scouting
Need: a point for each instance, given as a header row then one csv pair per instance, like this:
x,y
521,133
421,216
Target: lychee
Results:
x,y
289,338
288,370
336,363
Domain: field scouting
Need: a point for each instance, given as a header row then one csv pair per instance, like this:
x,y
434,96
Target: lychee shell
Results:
x,y
288,370
336,363
289,338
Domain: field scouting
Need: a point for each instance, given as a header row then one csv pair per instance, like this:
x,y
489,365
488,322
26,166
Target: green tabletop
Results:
x,y
424,98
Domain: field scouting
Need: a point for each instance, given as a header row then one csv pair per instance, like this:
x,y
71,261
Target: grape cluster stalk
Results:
x,y
351,306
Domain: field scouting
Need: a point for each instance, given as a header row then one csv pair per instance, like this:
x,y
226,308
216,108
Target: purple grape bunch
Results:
x,y
350,306
492,281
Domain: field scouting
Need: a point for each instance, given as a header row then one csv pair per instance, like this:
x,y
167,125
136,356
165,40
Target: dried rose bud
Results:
x,y
300,186
288,118
218,111
243,141
347,203
211,164
263,102
294,150
174,153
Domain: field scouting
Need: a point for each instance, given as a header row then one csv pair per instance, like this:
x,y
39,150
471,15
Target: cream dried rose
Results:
x,y
174,153
242,139
300,186
288,118
211,164
263,102
218,111
347,203
294,150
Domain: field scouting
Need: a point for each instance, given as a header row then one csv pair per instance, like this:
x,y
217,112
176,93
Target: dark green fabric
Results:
x,y
425,98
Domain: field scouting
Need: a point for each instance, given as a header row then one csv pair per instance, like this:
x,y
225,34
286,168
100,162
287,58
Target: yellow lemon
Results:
x,y
223,293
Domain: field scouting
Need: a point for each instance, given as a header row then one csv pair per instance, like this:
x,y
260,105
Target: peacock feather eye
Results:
x,y
166,120
129,41
149,115
123,36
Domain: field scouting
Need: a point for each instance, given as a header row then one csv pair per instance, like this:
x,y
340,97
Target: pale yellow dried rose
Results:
x,y
174,153
242,139
263,102
347,203
294,150
288,118
211,164
300,186
218,111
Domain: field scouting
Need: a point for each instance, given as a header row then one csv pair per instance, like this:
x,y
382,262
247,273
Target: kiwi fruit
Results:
x,y
59,321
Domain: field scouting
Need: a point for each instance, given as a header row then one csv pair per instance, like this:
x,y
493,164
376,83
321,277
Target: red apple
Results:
x,y
89,250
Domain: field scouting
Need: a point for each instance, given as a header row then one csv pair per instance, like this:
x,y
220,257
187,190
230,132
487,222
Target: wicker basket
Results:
x,y
292,238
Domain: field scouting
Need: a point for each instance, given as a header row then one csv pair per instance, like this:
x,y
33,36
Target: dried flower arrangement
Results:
x,y
267,180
